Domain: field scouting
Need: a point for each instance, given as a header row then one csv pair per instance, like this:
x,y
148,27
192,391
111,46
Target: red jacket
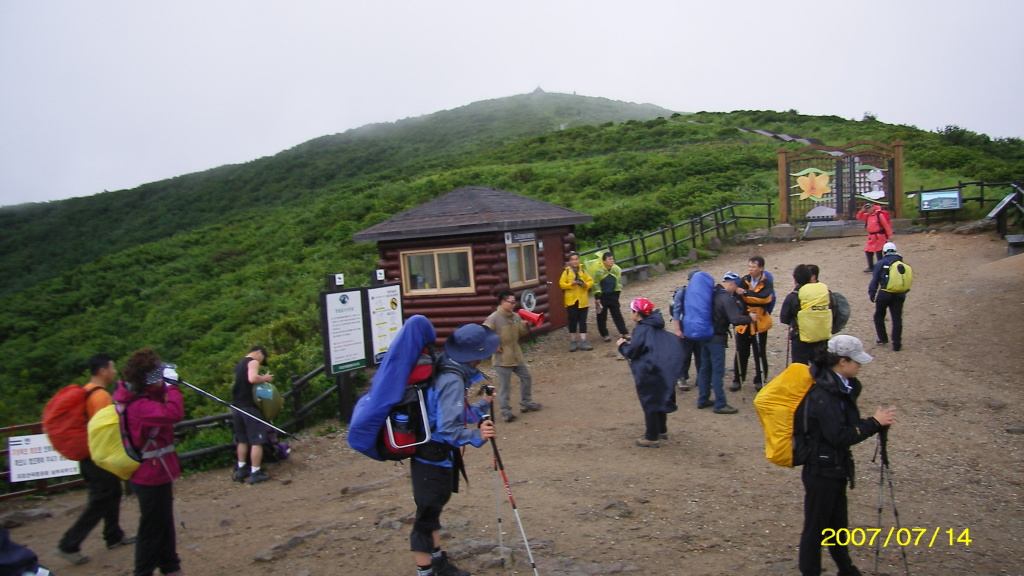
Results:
x,y
151,417
879,228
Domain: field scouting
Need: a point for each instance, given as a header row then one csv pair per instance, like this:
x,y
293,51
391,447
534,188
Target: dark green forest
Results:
x,y
202,266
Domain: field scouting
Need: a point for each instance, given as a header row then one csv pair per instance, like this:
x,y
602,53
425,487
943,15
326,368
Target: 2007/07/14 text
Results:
x,y
901,536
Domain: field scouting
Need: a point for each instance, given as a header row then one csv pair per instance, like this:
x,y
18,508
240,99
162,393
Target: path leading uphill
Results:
x,y
706,502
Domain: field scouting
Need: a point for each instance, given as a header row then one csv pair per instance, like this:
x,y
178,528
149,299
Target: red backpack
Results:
x,y
66,421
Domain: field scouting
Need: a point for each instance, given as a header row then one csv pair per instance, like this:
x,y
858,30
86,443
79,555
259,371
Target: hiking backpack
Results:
x,y
897,277
781,408
697,308
268,400
814,318
108,444
840,311
391,416
65,421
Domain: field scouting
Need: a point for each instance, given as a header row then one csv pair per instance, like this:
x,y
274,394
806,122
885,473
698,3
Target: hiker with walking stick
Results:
x,y
834,425
150,404
436,466
757,291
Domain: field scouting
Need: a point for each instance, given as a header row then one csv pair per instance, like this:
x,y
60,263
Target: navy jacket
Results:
x,y
656,358
726,310
878,273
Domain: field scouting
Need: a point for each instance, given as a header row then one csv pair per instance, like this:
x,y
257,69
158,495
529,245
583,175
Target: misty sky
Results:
x,y
107,95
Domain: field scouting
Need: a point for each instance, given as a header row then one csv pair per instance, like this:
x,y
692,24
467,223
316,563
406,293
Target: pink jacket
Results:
x,y
879,228
151,416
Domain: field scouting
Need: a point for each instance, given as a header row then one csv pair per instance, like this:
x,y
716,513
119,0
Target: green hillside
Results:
x,y
202,266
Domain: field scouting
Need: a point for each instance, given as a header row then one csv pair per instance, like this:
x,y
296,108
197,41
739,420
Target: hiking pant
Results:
x,y
431,490
104,503
711,374
577,318
894,303
691,351
656,424
803,352
505,385
610,301
739,360
871,257
156,547
824,507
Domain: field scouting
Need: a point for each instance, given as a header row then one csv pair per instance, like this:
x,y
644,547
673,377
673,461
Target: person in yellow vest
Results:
x,y
104,501
576,283
755,290
807,313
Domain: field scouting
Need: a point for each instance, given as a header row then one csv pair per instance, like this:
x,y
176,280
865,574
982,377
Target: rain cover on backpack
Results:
x,y
697,308
388,386
776,406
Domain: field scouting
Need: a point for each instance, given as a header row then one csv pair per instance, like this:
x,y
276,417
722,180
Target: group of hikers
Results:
x,y
704,314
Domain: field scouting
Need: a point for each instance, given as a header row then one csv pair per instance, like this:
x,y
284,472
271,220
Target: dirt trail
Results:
x,y
706,502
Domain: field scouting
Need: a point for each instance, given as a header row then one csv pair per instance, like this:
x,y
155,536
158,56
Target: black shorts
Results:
x,y
247,430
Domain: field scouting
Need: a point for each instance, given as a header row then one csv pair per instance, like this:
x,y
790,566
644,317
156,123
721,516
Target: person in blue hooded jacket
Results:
x,y
435,467
655,359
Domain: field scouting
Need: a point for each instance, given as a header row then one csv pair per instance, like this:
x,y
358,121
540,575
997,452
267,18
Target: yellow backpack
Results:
x,y
777,407
815,316
107,445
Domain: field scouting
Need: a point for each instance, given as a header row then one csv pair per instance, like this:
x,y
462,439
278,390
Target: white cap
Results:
x,y
850,347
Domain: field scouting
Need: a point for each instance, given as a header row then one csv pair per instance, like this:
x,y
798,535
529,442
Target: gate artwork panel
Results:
x,y
830,183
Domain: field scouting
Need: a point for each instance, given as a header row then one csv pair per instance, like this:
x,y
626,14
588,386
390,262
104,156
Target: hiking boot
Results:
x,y
75,558
585,346
896,347
240,474
707,404
607,338
573,346
662,436
851,571
725,410
881,340
735,387
869,270
645,443
684,386
529,407
507,416
443,567
257,477
125,540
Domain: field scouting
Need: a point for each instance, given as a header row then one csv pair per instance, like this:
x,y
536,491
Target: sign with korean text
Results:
x,y
33,458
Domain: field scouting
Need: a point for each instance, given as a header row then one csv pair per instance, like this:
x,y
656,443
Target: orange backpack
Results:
x,y
65,422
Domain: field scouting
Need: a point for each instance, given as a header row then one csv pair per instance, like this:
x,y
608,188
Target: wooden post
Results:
x,y
781,154
897,192
346,396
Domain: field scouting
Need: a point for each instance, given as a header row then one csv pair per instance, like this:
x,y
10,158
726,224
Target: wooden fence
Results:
x,y
677,239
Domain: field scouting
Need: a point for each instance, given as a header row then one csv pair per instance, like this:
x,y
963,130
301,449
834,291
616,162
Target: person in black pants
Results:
x,y
887,301
833,426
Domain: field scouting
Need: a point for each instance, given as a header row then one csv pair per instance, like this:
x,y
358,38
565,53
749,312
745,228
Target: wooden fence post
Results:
x,y
346,396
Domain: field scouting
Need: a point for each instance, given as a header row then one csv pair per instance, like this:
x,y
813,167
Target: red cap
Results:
x,y
642,305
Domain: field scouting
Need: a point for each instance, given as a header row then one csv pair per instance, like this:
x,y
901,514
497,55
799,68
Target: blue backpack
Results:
x,y
377,428
697,308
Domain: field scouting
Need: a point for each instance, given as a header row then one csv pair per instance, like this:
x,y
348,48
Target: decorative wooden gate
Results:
x,y
828,182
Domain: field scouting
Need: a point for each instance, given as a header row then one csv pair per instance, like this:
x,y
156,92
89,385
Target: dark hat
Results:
x,y
471,342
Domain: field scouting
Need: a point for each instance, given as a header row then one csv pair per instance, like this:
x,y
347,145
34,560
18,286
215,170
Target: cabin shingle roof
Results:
x,y
471,210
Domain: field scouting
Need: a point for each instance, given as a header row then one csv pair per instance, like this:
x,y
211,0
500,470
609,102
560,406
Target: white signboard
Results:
x,y
385,318
33,458
346,347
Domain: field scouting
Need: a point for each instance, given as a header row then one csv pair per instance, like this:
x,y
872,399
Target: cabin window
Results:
x,y
522,264
446,271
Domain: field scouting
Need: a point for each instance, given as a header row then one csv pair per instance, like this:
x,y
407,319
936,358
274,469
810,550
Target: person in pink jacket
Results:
x,y
150,405
879,227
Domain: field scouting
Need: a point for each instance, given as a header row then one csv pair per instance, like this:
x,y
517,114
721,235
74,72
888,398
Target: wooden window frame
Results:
x,y
536,265
408,290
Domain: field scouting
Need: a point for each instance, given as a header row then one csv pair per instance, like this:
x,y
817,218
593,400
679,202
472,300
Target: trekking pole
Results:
x,y
886,471
512,500
497,493
233,407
